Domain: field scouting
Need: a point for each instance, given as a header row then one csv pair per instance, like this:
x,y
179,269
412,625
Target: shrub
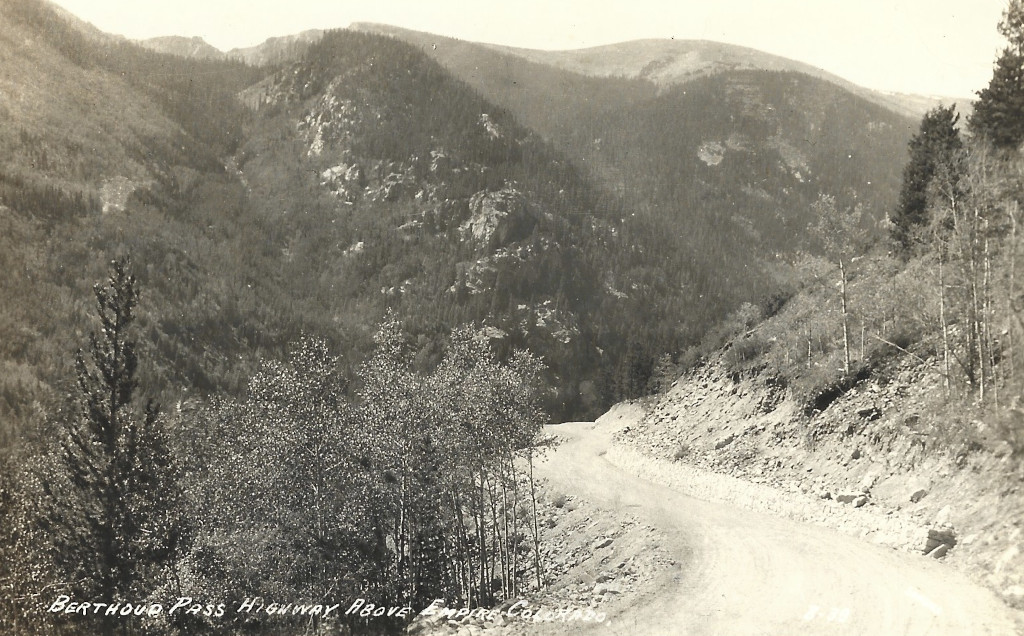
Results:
x,y
744,353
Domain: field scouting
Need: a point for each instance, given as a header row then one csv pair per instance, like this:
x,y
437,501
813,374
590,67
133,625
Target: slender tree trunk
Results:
x,y
895,304
808,347
945,327
464,556
989,341
1011,354
846,320
400,540
863,331
536,522
515,527
497,557
976,311
482,537
963,241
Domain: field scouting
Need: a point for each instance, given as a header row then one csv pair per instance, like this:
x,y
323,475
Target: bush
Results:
x,y
744,353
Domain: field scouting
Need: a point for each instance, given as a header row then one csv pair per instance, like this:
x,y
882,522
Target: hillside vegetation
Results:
x,y
292,331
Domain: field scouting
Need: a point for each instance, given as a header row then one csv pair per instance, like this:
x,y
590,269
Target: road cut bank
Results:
x,y
891,530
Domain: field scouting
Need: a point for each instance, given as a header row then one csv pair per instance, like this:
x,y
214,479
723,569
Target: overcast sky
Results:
x,y
937,47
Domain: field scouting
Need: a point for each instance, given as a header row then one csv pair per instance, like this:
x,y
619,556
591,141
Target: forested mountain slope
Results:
x,y
405,188
362,177
767,116
104,145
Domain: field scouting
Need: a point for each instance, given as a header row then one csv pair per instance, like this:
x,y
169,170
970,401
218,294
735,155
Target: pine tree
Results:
x,y
999,112
113,491
933,151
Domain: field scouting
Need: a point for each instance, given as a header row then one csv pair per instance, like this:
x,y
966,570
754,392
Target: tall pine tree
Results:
x,y
999,112
933,152
113,491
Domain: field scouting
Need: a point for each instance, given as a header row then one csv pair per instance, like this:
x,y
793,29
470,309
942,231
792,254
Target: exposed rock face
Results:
x,y
396,182
344,181
498,218
115,193
711,153
490,126
545,319
940,536
328,122
475,277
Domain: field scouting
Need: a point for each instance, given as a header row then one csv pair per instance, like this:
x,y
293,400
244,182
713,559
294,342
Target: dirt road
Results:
x,y
744,573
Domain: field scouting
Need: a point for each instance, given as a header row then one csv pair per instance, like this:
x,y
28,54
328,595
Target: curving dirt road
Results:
x,y
744,573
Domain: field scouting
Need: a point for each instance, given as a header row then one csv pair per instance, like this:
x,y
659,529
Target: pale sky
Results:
x,y
933,47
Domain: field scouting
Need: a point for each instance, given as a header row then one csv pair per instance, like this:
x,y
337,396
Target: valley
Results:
x,y
655,337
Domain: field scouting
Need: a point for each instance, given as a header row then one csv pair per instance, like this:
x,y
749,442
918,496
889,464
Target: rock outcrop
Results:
x,y
498,218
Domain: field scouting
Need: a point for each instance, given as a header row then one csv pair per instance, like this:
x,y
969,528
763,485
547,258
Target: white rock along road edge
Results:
x,y
744,573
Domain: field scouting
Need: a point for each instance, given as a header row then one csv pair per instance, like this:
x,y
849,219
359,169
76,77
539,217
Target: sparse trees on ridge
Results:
x,y
973,216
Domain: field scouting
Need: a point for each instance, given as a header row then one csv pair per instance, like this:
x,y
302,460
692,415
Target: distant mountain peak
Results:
x,y
276,50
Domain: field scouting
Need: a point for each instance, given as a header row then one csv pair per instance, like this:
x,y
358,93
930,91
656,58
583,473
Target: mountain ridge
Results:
x,y
272,51
183,46
665,62
668,62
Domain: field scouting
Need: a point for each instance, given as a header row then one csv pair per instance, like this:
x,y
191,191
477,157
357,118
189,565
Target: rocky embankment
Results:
x,y
880,462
